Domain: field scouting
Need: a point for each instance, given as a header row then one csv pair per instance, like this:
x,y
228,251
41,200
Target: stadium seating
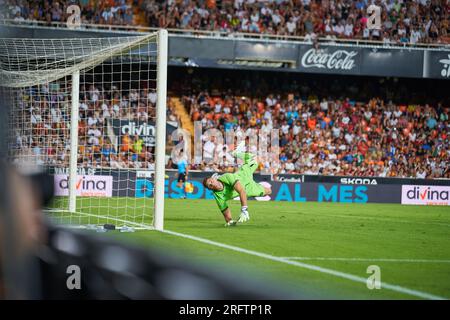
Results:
x,y
46,134
330,136
326,136
338,137
409,21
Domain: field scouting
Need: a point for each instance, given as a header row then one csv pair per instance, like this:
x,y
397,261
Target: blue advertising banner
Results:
x,y
139,183
287,191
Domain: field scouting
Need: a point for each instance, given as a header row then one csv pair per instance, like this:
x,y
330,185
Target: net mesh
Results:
x,y
116,128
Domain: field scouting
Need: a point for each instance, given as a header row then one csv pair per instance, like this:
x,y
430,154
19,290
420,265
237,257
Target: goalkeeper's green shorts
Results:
x,y
252,188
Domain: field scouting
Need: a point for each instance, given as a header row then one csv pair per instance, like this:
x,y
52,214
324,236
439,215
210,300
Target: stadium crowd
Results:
x,y
42,122
342,128
335,137
334,134
114,12
402,21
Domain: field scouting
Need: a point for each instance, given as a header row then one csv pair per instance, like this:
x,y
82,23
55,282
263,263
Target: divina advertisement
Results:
x,y
86,185
425,195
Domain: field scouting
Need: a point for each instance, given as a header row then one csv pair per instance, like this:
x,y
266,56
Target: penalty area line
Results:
x,y
368,259
416,293
135,225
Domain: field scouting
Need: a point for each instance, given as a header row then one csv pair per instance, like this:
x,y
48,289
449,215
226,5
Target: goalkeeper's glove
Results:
x,y
244,216
230,223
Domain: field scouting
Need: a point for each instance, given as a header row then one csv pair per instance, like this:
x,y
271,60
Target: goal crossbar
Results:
x,y
67,56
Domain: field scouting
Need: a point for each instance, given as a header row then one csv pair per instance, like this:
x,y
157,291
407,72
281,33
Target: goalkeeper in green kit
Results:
x,y
231,185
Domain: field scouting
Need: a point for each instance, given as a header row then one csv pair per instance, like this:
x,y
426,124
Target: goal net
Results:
x,y
91,111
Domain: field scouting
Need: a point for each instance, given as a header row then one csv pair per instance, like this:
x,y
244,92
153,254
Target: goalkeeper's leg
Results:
x,y
250,165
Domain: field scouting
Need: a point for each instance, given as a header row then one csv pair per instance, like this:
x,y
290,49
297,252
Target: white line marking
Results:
x,y
375,218
368,259
126,222
335,273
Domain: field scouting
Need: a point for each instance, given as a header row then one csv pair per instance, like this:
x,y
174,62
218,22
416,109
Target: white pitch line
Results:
x,y
135,224
416,293
442,224
368,259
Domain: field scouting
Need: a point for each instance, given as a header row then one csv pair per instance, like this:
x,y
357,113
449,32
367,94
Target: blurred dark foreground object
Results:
x,y
43,183
39,260
111,270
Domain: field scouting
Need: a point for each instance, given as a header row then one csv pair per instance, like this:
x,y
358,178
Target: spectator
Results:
x,y
343,19
431,123
340,136
358,136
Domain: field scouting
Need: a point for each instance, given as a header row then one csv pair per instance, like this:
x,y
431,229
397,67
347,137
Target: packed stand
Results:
x,y
113,12
42,126
402,21
332,136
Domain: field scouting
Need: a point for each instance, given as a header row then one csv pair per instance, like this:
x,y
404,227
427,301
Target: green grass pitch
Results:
x,y
410,244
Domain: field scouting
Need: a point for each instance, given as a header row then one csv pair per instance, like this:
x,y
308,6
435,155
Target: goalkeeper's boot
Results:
x,y
240,153
240,148
230,223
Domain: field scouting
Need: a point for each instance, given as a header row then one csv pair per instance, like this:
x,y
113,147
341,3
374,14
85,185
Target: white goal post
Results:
x,y
92,111
161,90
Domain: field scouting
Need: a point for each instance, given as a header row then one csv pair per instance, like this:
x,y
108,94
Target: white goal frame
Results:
x,y
160,133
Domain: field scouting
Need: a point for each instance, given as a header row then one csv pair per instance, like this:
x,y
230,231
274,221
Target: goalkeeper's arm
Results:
x,y
227,215
243,196
244,216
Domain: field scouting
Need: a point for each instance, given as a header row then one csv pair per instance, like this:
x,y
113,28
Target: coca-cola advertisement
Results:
x,y
330,59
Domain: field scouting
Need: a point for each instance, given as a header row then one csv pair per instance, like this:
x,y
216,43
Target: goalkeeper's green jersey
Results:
x,y
228,180
245,177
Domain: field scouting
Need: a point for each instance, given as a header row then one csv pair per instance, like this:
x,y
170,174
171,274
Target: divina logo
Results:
x,y
426,193
143,129
85,184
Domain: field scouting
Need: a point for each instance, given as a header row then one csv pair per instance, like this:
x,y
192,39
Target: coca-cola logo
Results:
x,y
340,59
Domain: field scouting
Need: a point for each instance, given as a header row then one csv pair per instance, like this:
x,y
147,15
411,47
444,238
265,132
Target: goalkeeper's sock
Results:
x,y
240,148
240,153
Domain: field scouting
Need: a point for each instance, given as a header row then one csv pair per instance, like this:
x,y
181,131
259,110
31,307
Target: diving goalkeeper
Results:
x,y
231,185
